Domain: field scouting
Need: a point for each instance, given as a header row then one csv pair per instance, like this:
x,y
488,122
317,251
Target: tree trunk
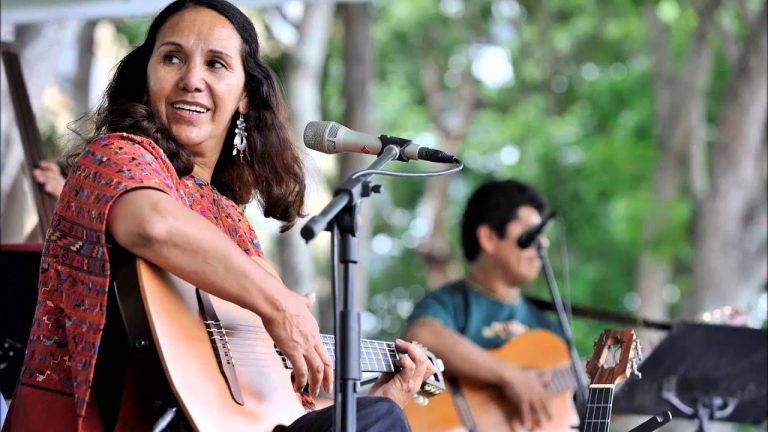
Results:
x,y
730,226
359,115
82,80
452,120
680,107
303,91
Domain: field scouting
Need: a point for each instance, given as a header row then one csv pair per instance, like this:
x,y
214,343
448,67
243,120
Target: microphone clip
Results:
x,y
400,143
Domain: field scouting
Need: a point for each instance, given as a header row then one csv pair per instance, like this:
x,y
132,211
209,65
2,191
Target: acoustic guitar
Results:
x,y
485,405
616,356
222,366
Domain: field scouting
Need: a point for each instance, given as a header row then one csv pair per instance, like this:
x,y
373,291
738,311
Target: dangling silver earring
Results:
x,y
240,135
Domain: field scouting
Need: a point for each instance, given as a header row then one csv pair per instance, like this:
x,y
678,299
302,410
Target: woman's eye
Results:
x,y
215,64
171,59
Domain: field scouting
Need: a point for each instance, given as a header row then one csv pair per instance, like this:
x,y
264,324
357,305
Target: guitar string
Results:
x,y
371,360
372,357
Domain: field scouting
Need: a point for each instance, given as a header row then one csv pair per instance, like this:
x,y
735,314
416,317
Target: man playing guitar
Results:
x,y
462,320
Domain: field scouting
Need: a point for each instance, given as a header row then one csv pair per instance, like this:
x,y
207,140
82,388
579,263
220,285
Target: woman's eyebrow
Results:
x,y
212,50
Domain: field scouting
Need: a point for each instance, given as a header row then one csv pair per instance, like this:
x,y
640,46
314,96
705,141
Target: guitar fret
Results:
x,y
392,355
368,359
376,351
375,356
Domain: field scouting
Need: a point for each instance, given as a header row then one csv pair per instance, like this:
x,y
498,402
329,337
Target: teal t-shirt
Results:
x,y
484,320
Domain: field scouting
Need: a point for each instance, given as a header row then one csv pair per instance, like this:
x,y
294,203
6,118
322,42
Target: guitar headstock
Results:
x,y
435,384
615,357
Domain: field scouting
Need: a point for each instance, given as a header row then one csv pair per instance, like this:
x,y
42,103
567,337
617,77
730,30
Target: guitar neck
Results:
x,y
599,405
375,356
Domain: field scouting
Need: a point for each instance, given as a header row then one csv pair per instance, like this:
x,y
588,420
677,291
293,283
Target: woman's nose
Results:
x,y
192,79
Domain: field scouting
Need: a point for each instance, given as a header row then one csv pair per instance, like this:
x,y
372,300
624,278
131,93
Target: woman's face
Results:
x,y
196,79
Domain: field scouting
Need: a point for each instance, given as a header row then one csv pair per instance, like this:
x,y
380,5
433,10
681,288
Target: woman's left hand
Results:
x,y
415,368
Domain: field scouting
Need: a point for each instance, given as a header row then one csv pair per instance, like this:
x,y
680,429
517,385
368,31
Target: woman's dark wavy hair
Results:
x,y
272,172
495,203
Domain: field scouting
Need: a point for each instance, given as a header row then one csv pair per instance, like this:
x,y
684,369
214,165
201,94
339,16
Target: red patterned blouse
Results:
x,y
74,275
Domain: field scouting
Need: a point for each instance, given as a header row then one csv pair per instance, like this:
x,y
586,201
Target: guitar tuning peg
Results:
x,y
420,399
639,350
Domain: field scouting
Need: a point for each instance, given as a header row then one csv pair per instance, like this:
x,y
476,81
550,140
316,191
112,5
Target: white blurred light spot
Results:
x,y
618,70
409,241
381,244
427,139
506,9
509,155
452,8
632,301
571,155
369,323
590,71
283,30
458,60
419,227
668,11
294,10
559,83
670,293
492,65
452,78
404,308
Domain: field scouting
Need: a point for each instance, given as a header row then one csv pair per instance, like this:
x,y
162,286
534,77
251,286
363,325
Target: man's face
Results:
x,y
518,266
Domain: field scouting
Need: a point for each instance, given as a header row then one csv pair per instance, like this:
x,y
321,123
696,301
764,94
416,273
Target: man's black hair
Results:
x,y
495,203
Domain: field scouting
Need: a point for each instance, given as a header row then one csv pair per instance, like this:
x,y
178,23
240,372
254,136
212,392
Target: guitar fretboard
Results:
x,y
598,418
375,356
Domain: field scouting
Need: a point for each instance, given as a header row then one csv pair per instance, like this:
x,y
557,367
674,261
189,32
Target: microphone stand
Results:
x,y
581,386
341,216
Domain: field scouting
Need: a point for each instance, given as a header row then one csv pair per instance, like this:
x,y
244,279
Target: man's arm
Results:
x,y
526,390
462,357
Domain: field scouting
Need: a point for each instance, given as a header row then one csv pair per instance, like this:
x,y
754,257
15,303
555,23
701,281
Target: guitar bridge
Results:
x,y
220,345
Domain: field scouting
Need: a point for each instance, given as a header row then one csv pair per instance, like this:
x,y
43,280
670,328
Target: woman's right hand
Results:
x,y
296,333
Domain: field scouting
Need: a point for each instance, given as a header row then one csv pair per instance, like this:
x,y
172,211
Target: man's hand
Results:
x,y
415,367
295,331
49,175
527,392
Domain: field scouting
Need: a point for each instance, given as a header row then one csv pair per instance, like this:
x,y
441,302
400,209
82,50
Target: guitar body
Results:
x,y
191,366
535,349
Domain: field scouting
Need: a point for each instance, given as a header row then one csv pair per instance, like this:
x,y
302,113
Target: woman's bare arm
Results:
x,y
152,225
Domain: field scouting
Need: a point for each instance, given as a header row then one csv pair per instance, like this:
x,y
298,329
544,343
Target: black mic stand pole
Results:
x,y
581,386
341,217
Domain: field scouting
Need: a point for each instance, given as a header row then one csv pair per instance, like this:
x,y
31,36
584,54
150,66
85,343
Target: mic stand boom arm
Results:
x,y
341,217
581,386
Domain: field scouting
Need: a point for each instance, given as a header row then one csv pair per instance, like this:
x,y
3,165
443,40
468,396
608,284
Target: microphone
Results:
x,y
527,238
331,137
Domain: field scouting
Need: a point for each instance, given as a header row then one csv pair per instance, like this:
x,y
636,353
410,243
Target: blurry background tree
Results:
x,y
644,122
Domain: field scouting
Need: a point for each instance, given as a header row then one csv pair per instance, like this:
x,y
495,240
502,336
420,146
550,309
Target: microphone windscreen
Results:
x,y
314,134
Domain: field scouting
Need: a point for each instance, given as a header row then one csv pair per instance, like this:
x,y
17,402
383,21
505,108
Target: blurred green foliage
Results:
x,y
577,121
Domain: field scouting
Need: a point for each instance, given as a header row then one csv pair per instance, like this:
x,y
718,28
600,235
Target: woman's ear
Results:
x,y
242,107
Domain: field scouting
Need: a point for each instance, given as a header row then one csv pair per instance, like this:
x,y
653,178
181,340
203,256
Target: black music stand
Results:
x,y
705,372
